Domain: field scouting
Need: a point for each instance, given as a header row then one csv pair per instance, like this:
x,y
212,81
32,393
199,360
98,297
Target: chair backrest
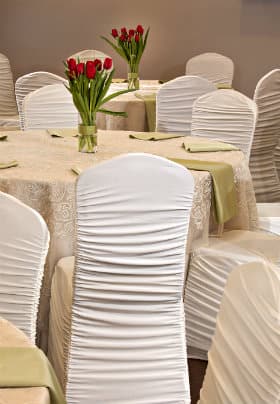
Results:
x,y
8,106
31,82
266,137
225,115
214,67
89,54
244,360
175,102
24,240
49,107
127,334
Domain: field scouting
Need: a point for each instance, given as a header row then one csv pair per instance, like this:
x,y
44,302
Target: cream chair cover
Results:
x,y
31,82
208,273
226,115
24,240
244,360
175,102
277,158
8,106
262,164
269,217
49,107
89,54
214,67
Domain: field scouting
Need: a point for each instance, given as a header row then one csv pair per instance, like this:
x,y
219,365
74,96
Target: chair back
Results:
x,y
89,54
218,69
31,82
8,106
175,102
127,338
225,115
49,107
24,240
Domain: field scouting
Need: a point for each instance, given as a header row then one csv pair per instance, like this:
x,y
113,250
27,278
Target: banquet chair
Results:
x,y
31,82
174,103
269,217
227,116
127,341
24,240
244,360
89,54
8,107
214,67
49,107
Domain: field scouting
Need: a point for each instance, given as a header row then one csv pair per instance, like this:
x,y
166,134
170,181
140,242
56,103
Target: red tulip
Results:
x,y
90,69
72,64
98,64
140,29
137,38
115,33
122,38
80,68
108,63
131,32
124,31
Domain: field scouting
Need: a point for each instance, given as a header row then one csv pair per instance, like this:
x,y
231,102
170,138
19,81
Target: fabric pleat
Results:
x,y
8,107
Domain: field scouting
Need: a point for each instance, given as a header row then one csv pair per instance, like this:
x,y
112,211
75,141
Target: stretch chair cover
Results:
x,y
175,102
225,115
214,67
8,106
24,240
266,137
49,107
127,336
89,54
244,360
269,217
208,273
31,82
277,158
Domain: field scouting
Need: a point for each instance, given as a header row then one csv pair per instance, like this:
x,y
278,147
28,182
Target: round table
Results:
x,y
45,181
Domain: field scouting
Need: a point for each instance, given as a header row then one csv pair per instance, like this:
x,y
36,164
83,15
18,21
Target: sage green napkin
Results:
x,y
150,105
221,86
76,170
28,367
224,191
3,137
13,163
63,132
154,136
211,146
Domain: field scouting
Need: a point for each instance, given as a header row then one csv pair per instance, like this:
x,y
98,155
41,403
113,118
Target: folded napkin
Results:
x,y
76,170
29,367
221,86
150,105
3,137
223,187
63,132
119,80
13,163
211,146
154,136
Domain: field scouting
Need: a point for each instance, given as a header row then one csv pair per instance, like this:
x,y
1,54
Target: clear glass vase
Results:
x,y
87,138
133,78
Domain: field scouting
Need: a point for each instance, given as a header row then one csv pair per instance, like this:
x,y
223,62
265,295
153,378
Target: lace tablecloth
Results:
x,y
45,181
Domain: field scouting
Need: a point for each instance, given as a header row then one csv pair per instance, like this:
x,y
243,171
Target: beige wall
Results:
x,y
39,34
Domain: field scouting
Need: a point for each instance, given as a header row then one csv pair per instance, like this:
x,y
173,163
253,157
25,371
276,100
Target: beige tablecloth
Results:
x,y
44,180
10,336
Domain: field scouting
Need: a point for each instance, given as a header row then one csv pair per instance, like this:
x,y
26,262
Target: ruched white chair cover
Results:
x,y
244,360
269,217
8,106
225,115
277,158
127,337
24,240
89,54
214,67
49,107
266,137
175,102
207,276
31,82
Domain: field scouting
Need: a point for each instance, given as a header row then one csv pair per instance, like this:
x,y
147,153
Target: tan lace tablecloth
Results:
x,y
44,180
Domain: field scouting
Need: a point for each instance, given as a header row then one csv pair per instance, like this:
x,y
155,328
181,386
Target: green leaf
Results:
x,y
114,95
117,49
115,113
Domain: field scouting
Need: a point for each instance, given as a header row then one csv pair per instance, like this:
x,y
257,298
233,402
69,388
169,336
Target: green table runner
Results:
x,y
63,132
224,192
154,136
193,146
28,367
150,105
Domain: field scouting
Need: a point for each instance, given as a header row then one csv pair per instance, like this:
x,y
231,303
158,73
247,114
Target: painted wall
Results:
x,y
39,34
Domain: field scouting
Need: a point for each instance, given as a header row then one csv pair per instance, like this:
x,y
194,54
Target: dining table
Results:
x,y
46,175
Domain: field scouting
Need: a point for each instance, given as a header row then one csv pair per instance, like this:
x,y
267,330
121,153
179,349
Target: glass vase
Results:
x,y
133,78
87,138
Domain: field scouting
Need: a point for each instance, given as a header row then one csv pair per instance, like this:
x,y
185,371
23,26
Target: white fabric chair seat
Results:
x,y
269,217
209,269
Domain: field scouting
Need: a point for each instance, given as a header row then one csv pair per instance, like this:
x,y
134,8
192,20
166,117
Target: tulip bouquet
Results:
x,y
89,83
130,45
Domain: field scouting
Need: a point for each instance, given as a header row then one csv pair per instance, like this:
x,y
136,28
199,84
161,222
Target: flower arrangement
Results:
x,y
89,83
130,45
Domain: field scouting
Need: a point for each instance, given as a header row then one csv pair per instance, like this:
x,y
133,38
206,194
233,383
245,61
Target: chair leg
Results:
x,y
197,369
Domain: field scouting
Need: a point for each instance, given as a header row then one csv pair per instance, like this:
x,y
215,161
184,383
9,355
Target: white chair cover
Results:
x,y
277,158
269,217
244,360
262,164
8,107
208,273
24,240
31,82
175,102
49,107
226,115
214,67
127,337
89,54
